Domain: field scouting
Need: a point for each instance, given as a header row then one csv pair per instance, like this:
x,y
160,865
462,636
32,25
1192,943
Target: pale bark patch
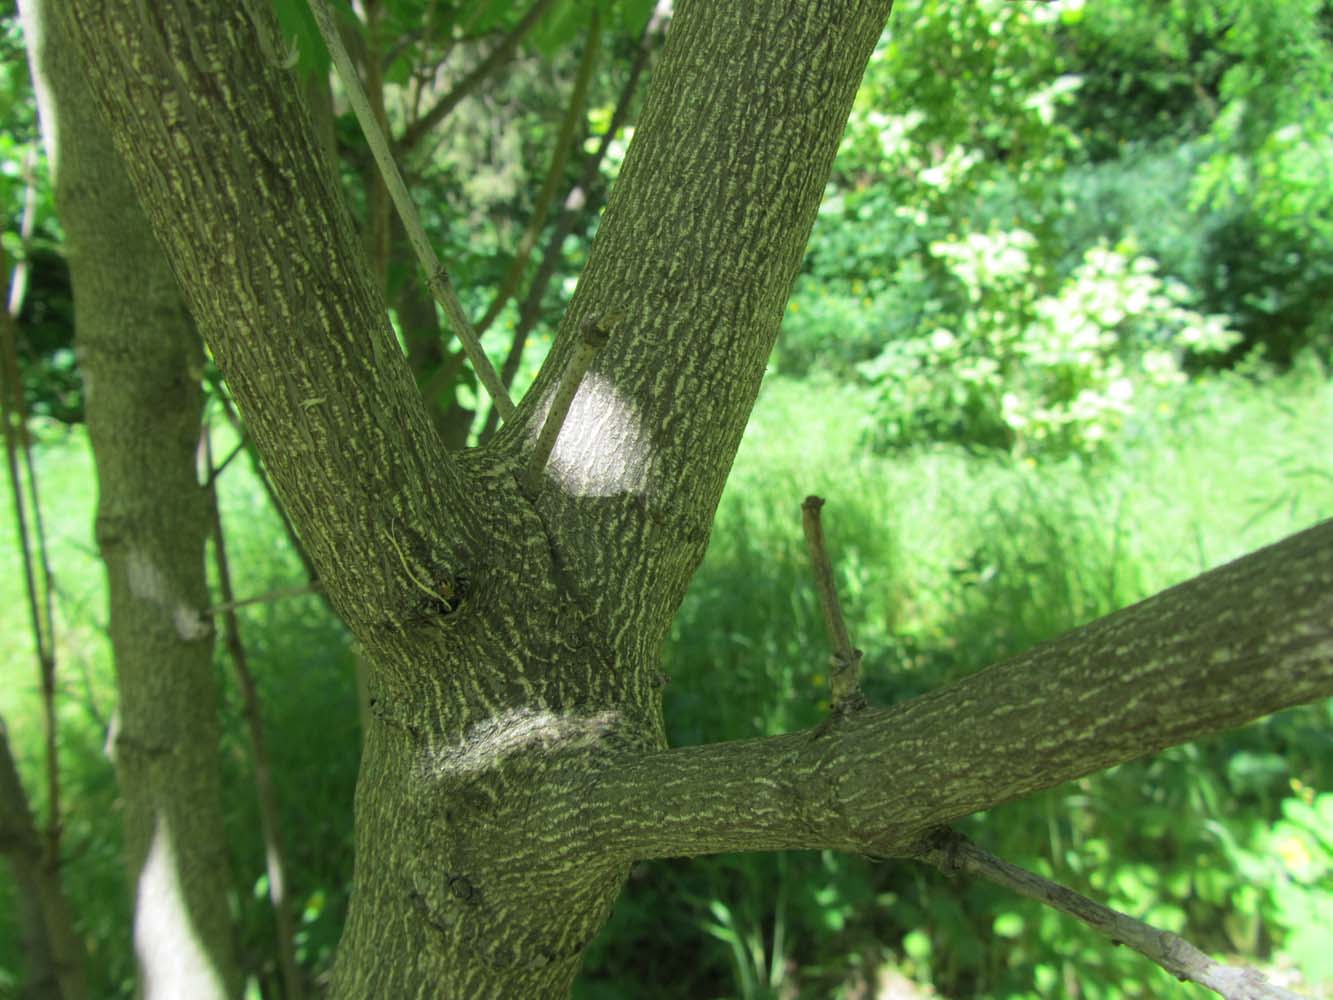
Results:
x,y
172,961
602,450
149,584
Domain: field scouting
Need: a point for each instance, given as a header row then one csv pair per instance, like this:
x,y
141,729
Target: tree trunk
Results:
x,y
502,663
514,765
52,950
141,364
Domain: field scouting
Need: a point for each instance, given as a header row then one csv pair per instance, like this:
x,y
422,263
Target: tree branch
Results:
x,y
274,854
36,565
229,604
53,950
280,292
573,112
575,202
500,55
18,279
215,471
1236,643
705,229
595,336
952,853
266,483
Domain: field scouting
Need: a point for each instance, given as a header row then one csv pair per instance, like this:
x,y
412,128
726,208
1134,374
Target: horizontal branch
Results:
x,y
282,593
1229,646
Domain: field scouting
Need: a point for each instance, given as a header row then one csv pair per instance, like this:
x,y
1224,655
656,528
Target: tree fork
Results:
x,y
514,763
541,672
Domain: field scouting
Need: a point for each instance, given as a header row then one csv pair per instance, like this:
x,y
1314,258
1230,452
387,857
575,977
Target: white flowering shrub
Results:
x,y
1007,365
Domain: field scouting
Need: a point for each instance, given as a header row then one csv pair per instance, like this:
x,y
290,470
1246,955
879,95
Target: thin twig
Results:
x,y
376,233
261,474
269,597
36,571
217,470
575,201
845,663
54,950
437,279
274,856
594,336
555,171
953,853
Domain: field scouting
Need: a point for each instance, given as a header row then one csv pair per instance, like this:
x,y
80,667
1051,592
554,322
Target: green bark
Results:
x,y
141,362
515,750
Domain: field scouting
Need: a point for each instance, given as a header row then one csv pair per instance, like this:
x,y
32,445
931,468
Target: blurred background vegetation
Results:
x,y
1062,338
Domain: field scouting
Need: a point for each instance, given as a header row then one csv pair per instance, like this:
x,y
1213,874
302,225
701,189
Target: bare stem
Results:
x,y
575,202
36,565
437,279
261,474
274,857
52,949
953,853
18,282
269,597
845,663
221,467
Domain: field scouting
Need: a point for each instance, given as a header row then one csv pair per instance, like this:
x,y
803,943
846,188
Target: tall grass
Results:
x,y
946,561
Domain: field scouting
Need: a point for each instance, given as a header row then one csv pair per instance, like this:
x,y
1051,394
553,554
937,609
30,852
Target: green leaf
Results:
x,y
917,945
634,15
561,25
399,71
1249,772
300,31
485,15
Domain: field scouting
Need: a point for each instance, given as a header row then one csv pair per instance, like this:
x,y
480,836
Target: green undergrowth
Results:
x,y
946,561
